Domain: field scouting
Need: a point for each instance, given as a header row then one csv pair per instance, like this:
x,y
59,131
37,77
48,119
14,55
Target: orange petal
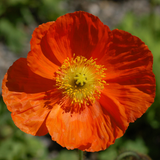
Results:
x,y
29,111
78,33
20,78
127,56
132,99
91,130
129,74
31,120
37,61
29,97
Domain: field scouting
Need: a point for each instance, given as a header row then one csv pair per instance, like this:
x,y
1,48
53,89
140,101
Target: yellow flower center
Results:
x,y
81,80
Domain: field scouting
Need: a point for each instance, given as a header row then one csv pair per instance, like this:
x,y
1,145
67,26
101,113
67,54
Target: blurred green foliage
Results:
x,y
17,16
67,155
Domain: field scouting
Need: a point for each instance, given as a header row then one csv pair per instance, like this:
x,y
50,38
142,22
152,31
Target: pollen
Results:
x,y
81,80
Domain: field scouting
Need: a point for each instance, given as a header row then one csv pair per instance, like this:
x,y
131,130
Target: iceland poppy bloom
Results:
x,y
81,82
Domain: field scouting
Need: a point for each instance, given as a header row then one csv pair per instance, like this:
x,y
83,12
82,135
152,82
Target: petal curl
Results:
x,y
37,61
91,130
126,57
21,79
78,33
28,97
38,34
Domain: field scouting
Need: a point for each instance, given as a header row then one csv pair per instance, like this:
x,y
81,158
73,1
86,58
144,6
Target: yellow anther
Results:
x,y
81,79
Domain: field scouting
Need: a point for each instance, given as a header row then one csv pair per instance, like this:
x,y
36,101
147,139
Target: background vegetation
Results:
x,y
18,18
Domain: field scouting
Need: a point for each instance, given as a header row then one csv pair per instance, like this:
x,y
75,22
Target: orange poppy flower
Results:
x,y
81,82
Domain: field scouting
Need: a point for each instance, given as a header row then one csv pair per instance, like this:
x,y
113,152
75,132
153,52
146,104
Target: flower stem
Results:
x,y
128,153
80,155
